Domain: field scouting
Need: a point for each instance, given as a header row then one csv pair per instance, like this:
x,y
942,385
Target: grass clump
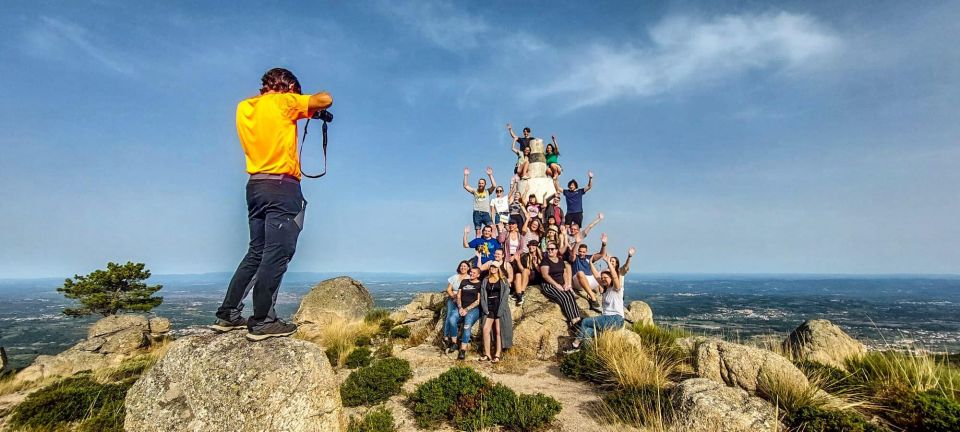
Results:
x,y
375,383
629,365
584,365
822,420
359,357
471,402
386,325
363,341
646,406
376,315
377,420
339,338
91,405
401,332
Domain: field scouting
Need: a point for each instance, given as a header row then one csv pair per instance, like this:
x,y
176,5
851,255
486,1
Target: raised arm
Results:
x,y
589,182
556,147
617,284
514,147
319,101
586,230
603,249
510,131
466,186
466,244
625,268
493,181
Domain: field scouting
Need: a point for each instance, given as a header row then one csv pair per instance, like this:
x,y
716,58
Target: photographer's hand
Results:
x,y
319,101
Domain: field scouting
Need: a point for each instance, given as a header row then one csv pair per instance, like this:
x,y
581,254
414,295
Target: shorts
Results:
x,y
481,219
516,266
592,281
502,218
574,217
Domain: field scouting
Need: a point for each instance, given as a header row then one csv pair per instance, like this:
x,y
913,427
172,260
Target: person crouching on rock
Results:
x,y
452,322
267,126
557,285
497,323
611,287
468,303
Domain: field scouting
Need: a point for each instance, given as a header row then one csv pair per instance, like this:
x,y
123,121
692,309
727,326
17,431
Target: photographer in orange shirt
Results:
x,y
267,127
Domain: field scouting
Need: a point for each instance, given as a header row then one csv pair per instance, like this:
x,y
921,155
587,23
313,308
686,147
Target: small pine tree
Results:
x,y
106,292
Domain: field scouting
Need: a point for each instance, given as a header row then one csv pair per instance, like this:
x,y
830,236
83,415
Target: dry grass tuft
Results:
x,y
631,365
916,371
341,335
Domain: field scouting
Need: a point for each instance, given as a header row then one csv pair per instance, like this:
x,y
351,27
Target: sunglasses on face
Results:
x,y
550,249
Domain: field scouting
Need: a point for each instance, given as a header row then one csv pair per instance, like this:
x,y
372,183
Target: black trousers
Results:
x,y
275,209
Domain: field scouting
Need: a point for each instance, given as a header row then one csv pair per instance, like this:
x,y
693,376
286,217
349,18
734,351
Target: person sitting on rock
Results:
x,y
532,228
529,269
496,313
552,152
468,304
557,284
574,197
583,278
452,322
481,199
612,316
533,207
522,169
512,243
516,209
485,245
498,261
553,213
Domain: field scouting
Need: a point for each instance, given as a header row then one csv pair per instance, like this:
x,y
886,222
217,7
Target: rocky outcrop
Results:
x,y
823,342
752,369
423,315
639,312
539,329
3,359
109,341
703,405
340,298
217,382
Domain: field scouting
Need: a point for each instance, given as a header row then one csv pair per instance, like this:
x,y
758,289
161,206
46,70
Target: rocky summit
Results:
x,y
222,382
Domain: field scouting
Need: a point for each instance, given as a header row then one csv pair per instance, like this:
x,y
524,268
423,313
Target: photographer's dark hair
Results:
x,y
279,80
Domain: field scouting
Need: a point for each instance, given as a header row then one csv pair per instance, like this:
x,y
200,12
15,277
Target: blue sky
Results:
x,y
725,136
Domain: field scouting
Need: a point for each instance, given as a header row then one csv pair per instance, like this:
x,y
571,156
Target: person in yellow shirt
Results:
x,y
267,128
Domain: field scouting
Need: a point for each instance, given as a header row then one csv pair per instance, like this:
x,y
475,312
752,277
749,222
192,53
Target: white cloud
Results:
x,y
59,38
683,53
439,21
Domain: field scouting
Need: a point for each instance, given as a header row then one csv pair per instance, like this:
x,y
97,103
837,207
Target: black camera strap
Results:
x,y
303,141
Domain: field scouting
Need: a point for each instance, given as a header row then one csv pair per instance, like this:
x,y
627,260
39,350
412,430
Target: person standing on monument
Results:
x,y
267,127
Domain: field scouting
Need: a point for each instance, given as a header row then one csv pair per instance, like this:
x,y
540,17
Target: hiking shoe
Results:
x,y
462,355
223,326
594,306
451,347
520,300
277,328
571,350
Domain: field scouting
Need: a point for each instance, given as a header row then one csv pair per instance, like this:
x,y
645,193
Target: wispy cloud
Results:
x,y
59,38
439,21
684,52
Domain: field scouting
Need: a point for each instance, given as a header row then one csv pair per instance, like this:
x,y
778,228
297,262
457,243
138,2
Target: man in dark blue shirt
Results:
x,y
574,198
486,245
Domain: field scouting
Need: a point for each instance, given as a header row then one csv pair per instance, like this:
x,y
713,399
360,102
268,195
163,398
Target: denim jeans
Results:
x,y
468,321
591,325
275,211
452,322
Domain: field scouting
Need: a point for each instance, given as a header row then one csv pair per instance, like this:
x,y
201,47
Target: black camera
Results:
x,y
323,115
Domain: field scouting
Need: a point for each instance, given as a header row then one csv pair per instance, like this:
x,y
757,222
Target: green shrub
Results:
x,y
471,402
925,412
640,406
376,315
386,325
533,412
333,354
385,350
583,365
821,420
98,407
377,420
359,357
432,401
375,383
362,341
401,332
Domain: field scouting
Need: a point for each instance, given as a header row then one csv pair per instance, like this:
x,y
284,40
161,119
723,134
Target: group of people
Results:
x,y
520,242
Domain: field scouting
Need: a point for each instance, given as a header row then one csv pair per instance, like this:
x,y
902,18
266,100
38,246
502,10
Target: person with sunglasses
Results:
x,y
500,209
557,285
481,199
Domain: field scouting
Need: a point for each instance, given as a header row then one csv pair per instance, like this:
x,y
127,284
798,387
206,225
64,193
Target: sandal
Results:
x,y
483,358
